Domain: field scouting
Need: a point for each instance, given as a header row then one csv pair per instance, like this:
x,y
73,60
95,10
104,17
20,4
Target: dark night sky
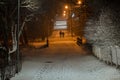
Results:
x,y
48,5
52,5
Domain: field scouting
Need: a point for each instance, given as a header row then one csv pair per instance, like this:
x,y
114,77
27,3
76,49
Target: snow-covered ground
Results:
x,y
64,61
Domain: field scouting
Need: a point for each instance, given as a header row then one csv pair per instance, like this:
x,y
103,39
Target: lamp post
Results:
x,y
69,16
79,2
47,41
70,8
71,23
17,38
66,6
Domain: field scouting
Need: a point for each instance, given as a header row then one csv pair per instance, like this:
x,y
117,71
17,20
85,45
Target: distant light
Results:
x,y
79,2
64,14
64,11
60,24
66,7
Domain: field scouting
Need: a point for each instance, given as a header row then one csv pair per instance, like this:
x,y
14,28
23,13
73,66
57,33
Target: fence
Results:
x,y
110,55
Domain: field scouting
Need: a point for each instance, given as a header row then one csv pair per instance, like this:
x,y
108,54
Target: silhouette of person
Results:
x,y
63,34
60,33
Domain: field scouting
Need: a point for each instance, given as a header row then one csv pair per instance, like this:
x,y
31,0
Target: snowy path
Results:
x,y
64,61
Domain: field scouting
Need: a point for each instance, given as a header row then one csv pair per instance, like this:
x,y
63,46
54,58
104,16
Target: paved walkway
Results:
x,y
63,60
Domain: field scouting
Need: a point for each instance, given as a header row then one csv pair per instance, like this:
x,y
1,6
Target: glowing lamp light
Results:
x,y
79,2
64,11
66,7
64,14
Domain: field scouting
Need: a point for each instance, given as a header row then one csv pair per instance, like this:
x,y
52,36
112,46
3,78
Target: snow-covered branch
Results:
x,y
31,5
14,41
14,29
27,18
103,32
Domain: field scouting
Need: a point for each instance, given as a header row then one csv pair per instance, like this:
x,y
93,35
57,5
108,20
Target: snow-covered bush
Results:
x,y
104,33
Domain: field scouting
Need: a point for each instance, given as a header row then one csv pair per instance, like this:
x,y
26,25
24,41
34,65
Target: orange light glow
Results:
x,y
64,14
79,2
84,41
66,7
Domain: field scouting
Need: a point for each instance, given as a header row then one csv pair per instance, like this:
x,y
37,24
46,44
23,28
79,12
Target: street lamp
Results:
x,y
17,36
64,14
79,2
66,6
71,15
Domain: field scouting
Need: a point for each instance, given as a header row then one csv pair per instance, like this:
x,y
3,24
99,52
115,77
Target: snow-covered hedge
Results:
x,y
103,32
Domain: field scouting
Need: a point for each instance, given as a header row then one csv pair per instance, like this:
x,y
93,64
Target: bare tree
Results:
x,y
31,5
